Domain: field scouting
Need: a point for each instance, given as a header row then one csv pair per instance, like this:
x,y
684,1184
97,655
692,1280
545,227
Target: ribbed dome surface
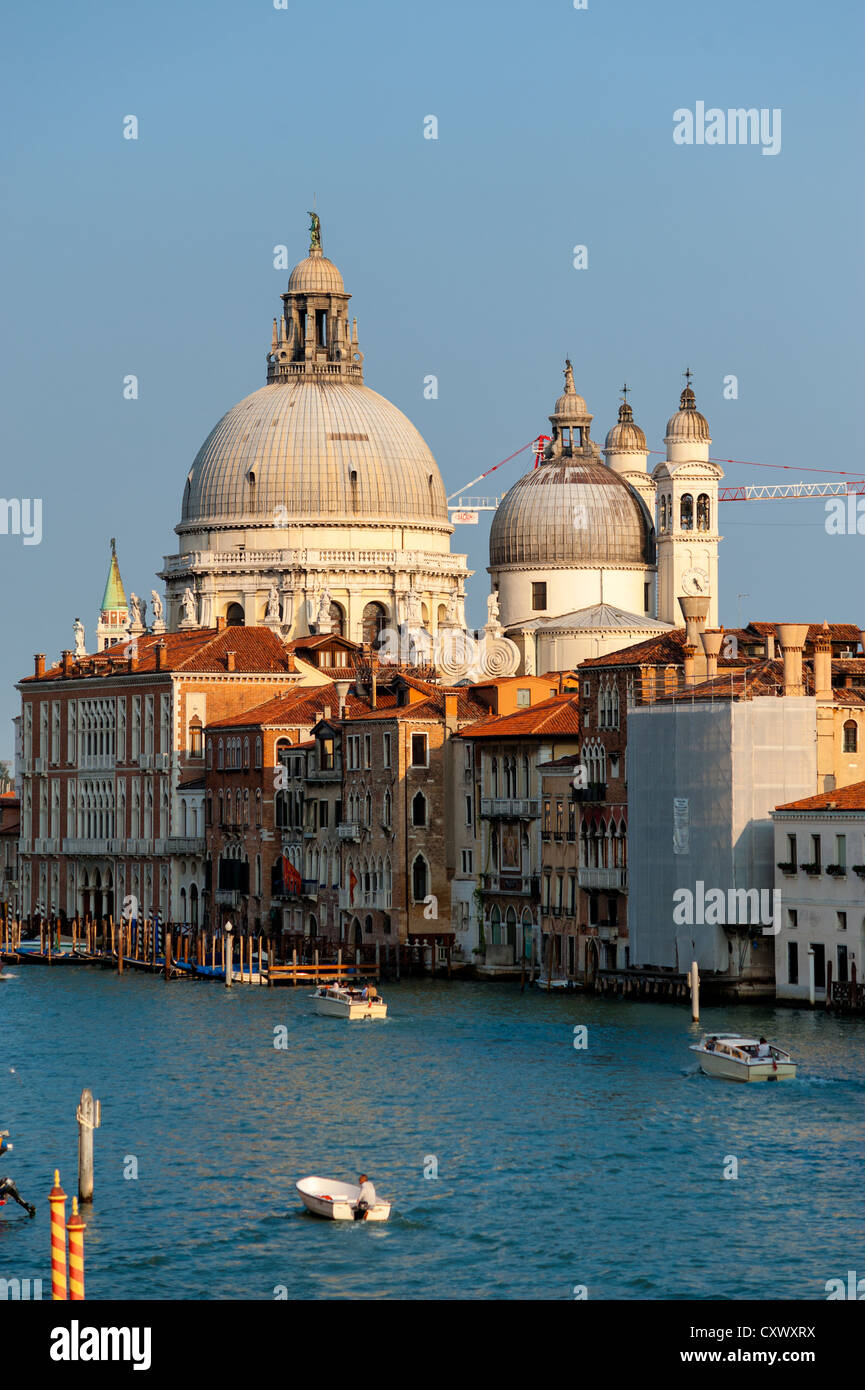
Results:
x,y
625,436
571,513
325,452
316,274
688,424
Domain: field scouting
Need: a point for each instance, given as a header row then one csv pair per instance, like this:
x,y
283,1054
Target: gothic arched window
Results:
x,y
686,512
704,512
419,879
418,809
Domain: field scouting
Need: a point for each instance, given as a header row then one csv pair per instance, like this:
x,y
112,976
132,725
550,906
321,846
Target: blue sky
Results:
x,y
155,256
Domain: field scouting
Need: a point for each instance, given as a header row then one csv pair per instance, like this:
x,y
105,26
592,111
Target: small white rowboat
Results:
x,y
735,1058
337,1002
337,1200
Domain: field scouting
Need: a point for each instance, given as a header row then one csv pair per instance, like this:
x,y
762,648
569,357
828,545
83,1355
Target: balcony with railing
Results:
x,y
615,879
350,830
593,791
510,807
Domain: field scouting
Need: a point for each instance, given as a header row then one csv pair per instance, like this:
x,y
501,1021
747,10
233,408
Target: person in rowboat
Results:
x,y
366,1200
7,1186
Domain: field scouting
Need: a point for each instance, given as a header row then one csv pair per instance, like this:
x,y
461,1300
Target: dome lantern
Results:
x,y
312,336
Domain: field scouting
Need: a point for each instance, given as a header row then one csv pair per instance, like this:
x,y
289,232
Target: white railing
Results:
x,y
522,807
603,878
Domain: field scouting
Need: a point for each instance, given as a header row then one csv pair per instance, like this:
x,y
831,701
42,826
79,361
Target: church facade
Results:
x,y
589,554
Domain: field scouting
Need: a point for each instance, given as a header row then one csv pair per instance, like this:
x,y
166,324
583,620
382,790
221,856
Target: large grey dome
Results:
x,y
574,512
326,451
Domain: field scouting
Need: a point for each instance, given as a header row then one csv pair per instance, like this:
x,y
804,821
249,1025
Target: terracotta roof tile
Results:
x,y
559,715
256,649
850,798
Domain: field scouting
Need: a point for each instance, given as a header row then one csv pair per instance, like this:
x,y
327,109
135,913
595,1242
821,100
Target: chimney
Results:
x,y
160,656
220,623
68,662
791,640
230,661
132,662
690,678
325,714
823,664
695,611
451,702
374,689
770,646
39,664
342,689
712,641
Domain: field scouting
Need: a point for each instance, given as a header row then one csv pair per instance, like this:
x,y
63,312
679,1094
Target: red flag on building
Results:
x,y
352,884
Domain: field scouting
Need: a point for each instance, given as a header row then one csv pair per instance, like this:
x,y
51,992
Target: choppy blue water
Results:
x,y
556,1167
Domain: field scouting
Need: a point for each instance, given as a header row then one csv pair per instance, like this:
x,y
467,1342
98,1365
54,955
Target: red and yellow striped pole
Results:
x,y
57,1199
75,1228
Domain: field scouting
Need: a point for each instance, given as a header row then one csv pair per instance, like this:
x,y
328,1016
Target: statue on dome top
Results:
x,y
314,231
569,376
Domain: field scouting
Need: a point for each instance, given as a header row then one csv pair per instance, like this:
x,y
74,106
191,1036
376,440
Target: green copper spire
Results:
x,y
115,595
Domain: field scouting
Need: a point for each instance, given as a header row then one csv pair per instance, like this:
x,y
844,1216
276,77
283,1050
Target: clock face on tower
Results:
x,y
695,581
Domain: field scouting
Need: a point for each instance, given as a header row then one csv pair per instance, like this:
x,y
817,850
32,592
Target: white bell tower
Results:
x,y
687,513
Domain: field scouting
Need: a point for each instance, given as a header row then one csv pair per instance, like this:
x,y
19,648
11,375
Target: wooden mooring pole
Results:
x,y
89,1117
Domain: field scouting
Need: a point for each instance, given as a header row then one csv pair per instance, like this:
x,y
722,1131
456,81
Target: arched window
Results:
x,y
374,619
367,926
258,805
495,776
246,752
686,512
419,879
193,905
209,753
337,620
221,811
663,520
386,809
495,927
418,809
367,809
220,754
234,616
257,885
196,738
704,512
258,751
851,736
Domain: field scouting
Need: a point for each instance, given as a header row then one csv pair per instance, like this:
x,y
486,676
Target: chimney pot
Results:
x,y
230,661
325,714
220,623
39,664
67,660
160,656
791,639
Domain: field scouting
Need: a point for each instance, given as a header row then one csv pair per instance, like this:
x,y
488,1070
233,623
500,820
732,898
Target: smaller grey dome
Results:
x,y
571,512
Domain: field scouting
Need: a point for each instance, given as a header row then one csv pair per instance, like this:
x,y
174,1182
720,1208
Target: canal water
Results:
x,y
557,1168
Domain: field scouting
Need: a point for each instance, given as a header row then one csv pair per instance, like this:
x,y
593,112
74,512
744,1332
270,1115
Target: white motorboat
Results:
x,y
736,1058
337,1200
339,1002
